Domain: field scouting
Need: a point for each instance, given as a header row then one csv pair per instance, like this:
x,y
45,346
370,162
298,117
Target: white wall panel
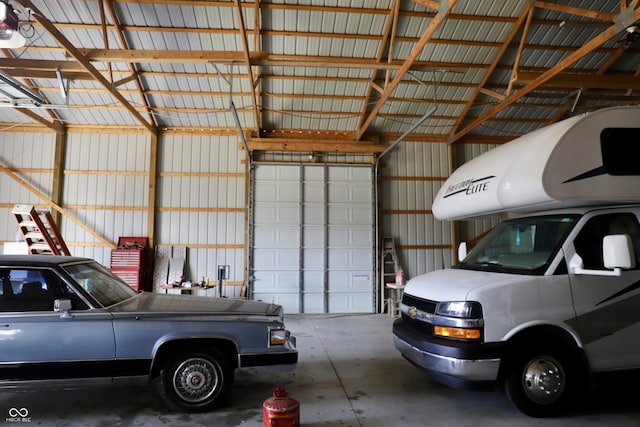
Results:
x,y
201,204
31,156
105,186
414,173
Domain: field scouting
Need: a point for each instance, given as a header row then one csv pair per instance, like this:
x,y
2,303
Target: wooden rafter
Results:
x,y
247,61
581,52
38,16
494,65
436,22
587,13
132,68
381,49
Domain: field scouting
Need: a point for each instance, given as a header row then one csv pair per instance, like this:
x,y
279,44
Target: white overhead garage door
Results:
x,y
313,238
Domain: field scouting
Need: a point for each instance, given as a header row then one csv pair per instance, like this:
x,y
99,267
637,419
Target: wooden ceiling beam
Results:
x,y
297,145
247,61
580,53
583,81
587,13
434,25
132,67
35,13
382,47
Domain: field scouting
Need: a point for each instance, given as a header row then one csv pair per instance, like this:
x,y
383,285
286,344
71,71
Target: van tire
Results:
x,y
539,381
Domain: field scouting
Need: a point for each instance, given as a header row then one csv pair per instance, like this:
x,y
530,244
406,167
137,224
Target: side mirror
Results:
x,y
462,251
63,306
617,251
617,255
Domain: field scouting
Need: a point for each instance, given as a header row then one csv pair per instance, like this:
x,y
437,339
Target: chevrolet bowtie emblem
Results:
x,y
413,312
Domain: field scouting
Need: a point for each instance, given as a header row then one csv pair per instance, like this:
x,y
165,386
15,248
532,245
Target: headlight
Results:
x,y
460,320
460,309
278,336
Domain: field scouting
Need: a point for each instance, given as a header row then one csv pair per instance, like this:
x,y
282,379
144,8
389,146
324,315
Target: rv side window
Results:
x,y
588,243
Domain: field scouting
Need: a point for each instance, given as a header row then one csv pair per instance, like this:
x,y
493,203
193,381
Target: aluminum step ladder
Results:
x,y
392,276
39,231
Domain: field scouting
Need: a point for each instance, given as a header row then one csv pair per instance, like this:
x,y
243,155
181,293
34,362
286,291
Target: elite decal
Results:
x,y
469,186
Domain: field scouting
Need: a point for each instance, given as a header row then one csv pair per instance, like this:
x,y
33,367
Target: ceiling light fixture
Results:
x,y
10,37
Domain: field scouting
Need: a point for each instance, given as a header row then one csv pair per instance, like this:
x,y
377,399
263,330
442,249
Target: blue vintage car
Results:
x,y
68,321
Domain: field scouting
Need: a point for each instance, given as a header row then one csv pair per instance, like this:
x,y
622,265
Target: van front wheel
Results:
x,y
538,382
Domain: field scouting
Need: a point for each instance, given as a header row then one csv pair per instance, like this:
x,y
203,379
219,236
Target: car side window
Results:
x,y
34,290
588,243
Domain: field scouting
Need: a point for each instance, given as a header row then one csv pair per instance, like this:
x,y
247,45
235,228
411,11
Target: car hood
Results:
x,y
184,304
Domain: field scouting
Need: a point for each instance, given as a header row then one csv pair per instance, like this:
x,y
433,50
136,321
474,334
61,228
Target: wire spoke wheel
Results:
x,y
195,380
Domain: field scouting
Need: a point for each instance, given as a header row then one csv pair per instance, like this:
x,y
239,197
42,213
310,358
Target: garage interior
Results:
x,y
292,144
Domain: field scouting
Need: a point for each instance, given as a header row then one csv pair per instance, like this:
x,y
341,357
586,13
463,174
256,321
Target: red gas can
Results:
x,y
280,410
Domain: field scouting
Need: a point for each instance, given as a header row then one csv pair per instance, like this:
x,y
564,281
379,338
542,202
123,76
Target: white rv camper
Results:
x,y
551,296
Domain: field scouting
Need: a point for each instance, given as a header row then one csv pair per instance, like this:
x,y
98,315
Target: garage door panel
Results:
x,y
277,281
350,259
314,281
350,215
349,237
314,214
350,302
314,237
314,192
314,302
290,302
350,281
282,191
350,192
314,259
278,238
305,250
279,214
271,259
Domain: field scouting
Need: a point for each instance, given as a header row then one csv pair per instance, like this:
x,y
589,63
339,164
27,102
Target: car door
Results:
x,y
607,315
37,343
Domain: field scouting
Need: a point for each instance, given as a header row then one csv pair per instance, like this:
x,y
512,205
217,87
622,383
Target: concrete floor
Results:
x,y
349,374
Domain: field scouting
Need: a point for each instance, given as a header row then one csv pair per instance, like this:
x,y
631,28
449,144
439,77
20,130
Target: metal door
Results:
x,y
312,243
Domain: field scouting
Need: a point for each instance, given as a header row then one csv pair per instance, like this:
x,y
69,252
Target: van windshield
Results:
x,y
521,246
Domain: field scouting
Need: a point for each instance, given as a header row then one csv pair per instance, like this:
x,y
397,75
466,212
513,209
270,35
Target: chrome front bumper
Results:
x,y
468,370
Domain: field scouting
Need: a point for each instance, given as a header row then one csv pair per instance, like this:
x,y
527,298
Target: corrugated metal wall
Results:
x,y
202,204
30,157
202,200
411,175
105,186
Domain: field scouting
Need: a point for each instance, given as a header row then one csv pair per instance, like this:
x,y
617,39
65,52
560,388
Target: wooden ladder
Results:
x,y
39,231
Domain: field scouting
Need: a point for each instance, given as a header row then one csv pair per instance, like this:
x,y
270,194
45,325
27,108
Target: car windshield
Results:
x,y
522,246
100,283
